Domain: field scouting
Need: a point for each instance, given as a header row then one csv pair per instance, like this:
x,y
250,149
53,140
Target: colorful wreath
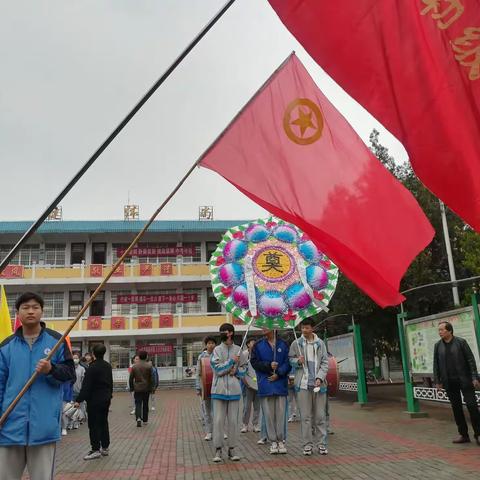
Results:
x,y
271,271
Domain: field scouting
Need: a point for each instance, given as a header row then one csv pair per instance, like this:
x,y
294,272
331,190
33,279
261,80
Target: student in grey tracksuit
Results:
x,y
228,365
308,356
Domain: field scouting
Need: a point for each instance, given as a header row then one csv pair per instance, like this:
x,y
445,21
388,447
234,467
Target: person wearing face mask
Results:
x,y
77,386
229,366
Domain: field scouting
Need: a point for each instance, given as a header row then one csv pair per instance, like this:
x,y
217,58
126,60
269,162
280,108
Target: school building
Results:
x,y
159,300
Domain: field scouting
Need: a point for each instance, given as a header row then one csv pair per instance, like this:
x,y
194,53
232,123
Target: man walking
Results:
x,y
97,390
206,401
29,435
141,383
454,369
308,355
228,366
270,360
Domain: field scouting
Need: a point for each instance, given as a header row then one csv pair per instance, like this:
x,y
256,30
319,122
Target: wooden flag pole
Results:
x,y
22,392
34,227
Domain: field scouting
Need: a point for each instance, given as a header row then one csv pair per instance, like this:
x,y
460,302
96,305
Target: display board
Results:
x,y
342,347
423,334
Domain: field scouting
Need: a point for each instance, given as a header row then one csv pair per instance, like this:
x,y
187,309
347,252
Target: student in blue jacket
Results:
x,y
29,435
270,360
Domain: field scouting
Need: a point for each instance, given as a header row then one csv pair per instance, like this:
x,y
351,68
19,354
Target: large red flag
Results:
x,y
294,154
415,65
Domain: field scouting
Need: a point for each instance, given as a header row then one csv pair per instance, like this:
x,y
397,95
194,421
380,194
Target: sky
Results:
x,y
71,70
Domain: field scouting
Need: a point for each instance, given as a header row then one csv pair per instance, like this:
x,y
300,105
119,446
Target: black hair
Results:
x,y
209,339
99,350
307,321
226,326
142,354
26,297
251,339
448,326
133,358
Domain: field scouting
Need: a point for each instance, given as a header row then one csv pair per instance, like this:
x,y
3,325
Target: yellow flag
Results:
x,y
5,320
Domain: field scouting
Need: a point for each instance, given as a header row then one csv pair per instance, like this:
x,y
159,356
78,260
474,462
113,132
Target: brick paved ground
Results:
x,y
375,443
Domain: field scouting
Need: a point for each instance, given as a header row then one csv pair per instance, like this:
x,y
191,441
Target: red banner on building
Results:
x,y
146,269
118,323
96,270
185,251
156,349
120,271
161,298
94,323
12,271
166,269
166,320
145,321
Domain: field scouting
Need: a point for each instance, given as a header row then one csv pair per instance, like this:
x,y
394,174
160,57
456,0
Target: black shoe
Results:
x,y
462,439
139,423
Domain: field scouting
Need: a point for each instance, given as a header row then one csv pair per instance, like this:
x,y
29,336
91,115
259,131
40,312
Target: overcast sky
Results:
x,y
71,70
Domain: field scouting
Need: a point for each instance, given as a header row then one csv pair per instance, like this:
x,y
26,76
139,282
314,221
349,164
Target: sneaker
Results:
x,y
104,452
64,431
244,429
262,441
322,450
232,455
132,412
218,455
274,448
307,450
92,454
208,437
76,426
225,436
462,439
257,429
153,409
282,448
139,423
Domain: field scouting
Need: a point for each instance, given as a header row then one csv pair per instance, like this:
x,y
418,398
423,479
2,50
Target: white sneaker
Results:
x,y
92,455
232,455
208,437
218,456
322,450
307,450
64,431
244,429
274,448
282,447
257,429
153,409
132,412
225,436
262,441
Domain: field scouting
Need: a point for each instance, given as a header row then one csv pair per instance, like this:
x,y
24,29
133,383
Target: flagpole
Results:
x,y
34,227
9,409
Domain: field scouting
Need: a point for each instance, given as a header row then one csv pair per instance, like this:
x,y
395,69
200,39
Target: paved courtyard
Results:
x,y
375,443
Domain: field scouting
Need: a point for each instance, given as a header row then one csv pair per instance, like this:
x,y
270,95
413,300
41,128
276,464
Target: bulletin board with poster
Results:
x,y
422,334
342,347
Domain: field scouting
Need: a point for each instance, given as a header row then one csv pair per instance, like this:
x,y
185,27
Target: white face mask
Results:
x,y
76,361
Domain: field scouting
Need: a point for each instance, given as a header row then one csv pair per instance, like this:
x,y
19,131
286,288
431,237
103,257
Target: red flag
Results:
x,y
294,154
17,324
415,66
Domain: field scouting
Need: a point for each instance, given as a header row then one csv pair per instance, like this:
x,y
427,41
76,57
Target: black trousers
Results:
x,y
453,392
98,425
141,405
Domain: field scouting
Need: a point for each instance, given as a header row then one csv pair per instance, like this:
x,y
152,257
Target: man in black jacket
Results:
x,y
454,369
141,382
97,389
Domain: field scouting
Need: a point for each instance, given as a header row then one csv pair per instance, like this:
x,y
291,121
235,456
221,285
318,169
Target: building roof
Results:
x,y
120,226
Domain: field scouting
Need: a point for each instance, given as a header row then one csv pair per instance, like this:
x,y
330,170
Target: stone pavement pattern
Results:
x,y
375,443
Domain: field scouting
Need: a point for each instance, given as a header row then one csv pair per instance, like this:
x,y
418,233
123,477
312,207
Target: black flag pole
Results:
x,y
34,227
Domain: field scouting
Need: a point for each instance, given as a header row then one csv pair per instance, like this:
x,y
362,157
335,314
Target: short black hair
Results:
x,y
133,358
448,326
251,339
99,350
307,321
209,339
142,354
26,297
226,326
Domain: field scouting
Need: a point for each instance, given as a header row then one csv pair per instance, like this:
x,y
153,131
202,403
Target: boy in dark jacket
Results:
x,y
141,383
269,358
40,409
97,390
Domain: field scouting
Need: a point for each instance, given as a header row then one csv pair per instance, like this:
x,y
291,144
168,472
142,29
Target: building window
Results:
x,y
53,305
97,307
77,255
119,309
120,354
211,247
99,253
55,254
212,303
77,348
27,256
11,298
75,303
192,347
193,307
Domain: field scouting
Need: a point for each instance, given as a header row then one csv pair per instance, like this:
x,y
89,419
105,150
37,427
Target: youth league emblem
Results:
x,y
279,350
47,351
